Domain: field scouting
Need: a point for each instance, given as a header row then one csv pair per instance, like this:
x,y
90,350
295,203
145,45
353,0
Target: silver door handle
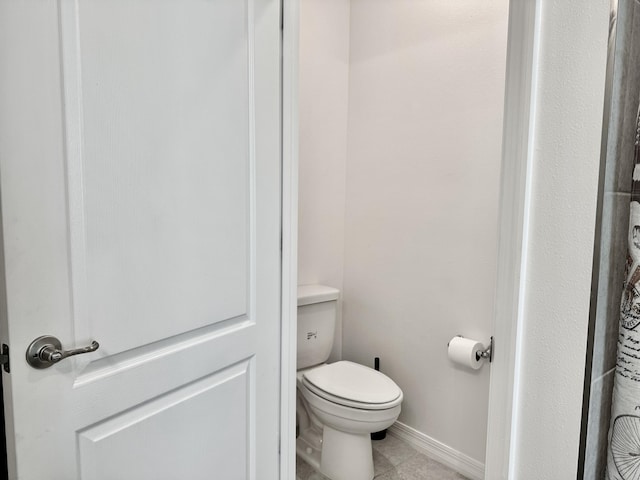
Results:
x,y
46,350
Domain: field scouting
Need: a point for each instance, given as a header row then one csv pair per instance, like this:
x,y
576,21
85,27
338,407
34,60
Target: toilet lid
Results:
x,y
354,382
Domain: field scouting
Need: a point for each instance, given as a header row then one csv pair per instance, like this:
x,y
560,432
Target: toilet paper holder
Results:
x,y
487,353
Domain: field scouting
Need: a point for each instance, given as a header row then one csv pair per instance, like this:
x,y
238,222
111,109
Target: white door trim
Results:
x,y
513,220
514,204
290,61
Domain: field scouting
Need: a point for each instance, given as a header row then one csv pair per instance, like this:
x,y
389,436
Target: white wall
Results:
x,y
569,91
426,91
395,287
324,74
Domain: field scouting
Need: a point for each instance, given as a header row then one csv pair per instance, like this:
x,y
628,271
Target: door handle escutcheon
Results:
x,y
47,350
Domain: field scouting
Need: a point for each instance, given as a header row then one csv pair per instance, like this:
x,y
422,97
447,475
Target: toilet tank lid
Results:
x,y
309,294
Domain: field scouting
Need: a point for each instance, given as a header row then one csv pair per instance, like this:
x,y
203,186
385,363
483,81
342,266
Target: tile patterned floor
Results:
x,y
393,459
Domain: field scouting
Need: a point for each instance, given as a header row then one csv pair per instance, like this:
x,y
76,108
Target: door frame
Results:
x,y
513,220
514,206
289,328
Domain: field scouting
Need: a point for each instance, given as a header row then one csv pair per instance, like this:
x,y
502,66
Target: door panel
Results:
x,y
184,413
140,188
177,204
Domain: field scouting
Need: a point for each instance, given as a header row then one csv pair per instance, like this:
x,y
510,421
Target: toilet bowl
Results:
x,y
345,403
339,404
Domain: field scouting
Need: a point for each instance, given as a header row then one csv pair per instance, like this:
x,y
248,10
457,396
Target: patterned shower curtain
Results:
x,y
623,456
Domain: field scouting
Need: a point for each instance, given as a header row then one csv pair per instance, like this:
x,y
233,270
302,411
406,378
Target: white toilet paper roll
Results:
x,y
463,352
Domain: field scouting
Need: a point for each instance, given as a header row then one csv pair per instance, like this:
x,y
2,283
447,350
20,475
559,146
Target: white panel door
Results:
x,y
140,200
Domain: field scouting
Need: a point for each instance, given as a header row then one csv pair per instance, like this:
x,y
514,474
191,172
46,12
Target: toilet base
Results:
x,y
346,456
309,446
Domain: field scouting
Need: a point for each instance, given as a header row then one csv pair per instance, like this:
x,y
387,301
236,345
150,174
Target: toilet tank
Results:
x,y
317,309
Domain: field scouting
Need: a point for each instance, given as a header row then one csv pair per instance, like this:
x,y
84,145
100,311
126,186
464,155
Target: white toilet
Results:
x,y
339,404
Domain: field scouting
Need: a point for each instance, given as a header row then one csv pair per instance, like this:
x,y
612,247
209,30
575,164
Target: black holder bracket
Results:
x,y
4,358
487,353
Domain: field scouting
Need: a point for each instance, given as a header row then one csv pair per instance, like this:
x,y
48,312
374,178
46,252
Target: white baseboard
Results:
x,y
440,452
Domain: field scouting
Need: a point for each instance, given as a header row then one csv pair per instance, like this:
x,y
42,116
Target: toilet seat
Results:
x,y
353,385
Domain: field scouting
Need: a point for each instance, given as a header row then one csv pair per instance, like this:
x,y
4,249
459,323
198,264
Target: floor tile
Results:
x,y
393,459
394,449
318,476
303,469
381,464
421,467
392,475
